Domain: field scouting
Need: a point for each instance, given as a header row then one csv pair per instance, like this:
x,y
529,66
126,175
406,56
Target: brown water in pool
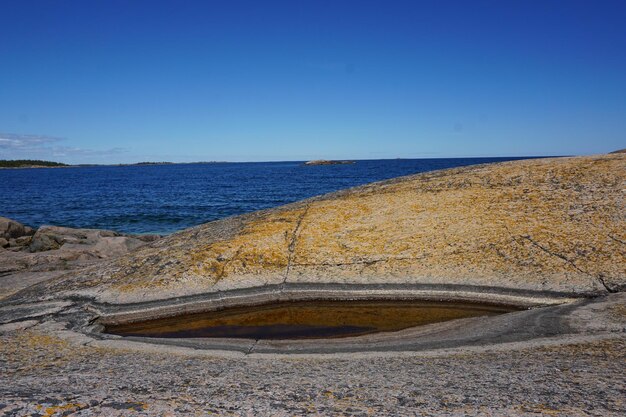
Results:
x,y
306,319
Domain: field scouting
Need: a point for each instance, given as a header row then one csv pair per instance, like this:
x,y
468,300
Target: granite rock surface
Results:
x,y
10,229
543,230
554,224
576,370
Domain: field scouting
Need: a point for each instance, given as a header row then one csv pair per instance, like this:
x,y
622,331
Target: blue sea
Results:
x,y
166,198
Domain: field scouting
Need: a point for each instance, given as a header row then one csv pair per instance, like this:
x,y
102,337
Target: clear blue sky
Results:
x,y
124,81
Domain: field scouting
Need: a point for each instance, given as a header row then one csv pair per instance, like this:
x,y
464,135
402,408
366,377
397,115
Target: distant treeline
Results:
x,y
21,163
25,163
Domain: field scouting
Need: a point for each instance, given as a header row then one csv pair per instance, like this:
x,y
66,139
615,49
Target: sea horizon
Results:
x,y
141,163
133,199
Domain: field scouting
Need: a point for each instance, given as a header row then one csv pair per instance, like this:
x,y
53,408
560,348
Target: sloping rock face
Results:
x,y
554,224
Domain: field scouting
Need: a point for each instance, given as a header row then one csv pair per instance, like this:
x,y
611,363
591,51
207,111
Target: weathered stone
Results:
x,y
530,227
148,238
28,260
540,225
578,370
53,237
10,229
23,240
104,243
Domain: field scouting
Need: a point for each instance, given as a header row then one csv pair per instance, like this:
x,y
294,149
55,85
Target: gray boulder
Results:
x,y
147,238
53,251
54,248
10,229
54,237
23,240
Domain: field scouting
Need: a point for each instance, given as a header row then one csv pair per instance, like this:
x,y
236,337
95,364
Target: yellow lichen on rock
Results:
x,y
547,223
259,249
543,224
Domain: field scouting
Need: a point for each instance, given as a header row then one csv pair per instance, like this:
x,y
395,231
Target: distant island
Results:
x,y
152,163
34,163
161,163
327,162
29,163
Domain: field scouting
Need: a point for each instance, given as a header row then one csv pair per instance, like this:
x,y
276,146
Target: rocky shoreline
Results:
x,y
28,256
546,235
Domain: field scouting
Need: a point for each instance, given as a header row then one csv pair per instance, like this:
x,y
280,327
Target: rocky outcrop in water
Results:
x,y
327,162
